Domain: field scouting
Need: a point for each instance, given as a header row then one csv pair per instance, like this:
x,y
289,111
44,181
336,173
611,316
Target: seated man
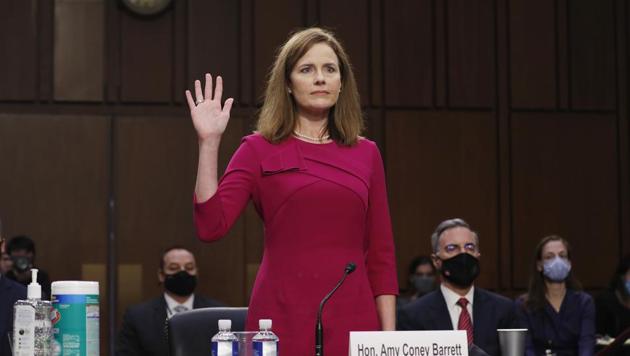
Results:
x,y
458,304
21,249
143,328
10,292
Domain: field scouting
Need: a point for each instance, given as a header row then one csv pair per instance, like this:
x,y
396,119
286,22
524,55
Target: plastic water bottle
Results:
x,y
265,342
224,343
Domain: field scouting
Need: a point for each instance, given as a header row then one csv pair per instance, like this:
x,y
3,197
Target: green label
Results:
x,y
76,325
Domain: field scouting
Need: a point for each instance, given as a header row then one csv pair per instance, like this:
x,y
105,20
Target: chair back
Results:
x,y
189,333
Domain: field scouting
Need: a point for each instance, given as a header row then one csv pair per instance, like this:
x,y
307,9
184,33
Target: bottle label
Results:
x,y
76,324
24,331
265,348
225,348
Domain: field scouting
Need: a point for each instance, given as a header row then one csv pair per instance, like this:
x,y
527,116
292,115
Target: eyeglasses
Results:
x,y
453,248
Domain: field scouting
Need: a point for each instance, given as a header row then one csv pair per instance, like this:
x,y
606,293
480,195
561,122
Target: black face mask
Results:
x,y
21,263
461,270
181,283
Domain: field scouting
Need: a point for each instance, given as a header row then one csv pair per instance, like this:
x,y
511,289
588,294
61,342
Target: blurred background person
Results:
x,y
143,328
10,292
613,305
560,318
21,250
6,263
421,280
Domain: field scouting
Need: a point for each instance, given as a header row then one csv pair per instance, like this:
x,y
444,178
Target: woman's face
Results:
x,y
316,80
551,250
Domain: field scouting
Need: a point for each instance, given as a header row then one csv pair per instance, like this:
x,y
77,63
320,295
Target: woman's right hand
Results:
x,y
209,118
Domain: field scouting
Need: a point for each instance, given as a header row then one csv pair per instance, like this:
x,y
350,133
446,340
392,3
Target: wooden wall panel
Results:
x,y
213,47
53,187
350,22
146,57
78,50
441,165
156,161
408,55
564,170
471,53
18,45
532,54
270,34
592,55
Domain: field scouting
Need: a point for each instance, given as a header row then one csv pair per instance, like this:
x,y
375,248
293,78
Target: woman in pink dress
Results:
x,y
319,188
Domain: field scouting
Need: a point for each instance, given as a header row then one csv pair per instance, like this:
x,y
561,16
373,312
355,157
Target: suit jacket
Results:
x,y
490,312
10,292
143,330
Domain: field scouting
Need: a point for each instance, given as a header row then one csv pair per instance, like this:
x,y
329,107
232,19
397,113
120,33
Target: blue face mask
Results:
x,y
627,285
557,269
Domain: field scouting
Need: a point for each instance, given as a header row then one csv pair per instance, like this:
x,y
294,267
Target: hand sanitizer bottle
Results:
x,y
32,329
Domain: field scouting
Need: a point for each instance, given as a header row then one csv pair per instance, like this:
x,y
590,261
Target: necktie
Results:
x,y
464,322
180,308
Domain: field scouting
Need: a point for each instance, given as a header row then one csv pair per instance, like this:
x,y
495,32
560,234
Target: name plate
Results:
x,y
409,343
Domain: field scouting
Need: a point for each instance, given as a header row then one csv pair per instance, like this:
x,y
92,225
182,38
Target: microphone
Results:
x,y
319,329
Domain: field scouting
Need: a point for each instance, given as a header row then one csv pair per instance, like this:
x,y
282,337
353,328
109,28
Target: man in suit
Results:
x,y
10,292
143,328
458,304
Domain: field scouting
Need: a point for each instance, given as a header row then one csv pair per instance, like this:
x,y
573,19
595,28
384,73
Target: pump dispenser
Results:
x,y
32,330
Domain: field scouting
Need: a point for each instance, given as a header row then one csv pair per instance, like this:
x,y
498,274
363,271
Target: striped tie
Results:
x,y
464,320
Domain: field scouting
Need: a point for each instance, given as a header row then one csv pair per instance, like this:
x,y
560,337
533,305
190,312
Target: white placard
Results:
x,y
409,343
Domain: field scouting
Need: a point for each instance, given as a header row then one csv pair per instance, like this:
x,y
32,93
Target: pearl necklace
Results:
x,y
312,139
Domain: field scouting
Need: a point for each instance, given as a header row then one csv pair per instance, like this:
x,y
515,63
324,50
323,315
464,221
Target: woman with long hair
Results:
x,y
560,318
319,188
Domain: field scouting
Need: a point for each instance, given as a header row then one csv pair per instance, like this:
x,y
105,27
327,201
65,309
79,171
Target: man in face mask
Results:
x,y
458,304
142,331
21,250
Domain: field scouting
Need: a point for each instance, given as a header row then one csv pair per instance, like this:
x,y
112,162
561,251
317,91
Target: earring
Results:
x,y
290,91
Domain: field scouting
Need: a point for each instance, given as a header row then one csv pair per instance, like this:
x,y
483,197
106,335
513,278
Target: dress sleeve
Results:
x,y
381,259
586,343
214,217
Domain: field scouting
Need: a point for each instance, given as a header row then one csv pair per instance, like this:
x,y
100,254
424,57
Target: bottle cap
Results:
x,y
225,324
34,290
264,324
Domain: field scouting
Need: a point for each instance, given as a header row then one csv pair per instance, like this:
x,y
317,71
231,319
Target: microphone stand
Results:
x,y
319,329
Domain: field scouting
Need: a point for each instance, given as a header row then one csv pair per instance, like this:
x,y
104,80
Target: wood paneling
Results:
x,y
592,55
408,56
79,37
471,53
533,54
146,57
564,171
18,45
440,166
213,35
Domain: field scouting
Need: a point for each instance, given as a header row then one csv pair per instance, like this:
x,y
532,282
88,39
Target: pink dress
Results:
x,y
322,206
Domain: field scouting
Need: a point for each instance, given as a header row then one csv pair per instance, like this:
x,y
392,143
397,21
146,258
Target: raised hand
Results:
x,y
209,118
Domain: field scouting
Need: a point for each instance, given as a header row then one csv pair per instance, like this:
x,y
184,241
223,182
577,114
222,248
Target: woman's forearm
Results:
x,y
386,309
207,166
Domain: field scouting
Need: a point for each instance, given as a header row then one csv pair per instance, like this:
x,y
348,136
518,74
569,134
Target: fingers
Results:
x,y
208,89
228,106
218,91
198,92
191,101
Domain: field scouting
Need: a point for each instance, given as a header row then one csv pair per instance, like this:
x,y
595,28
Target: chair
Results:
x,y
189,333
617,346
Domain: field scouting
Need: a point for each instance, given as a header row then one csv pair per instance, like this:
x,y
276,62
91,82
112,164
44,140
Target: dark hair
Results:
x,y
169,249
617,281
536,299
418,261
21,242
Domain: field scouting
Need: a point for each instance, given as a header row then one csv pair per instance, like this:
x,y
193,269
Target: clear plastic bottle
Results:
x,y
224,343
32,328
265,342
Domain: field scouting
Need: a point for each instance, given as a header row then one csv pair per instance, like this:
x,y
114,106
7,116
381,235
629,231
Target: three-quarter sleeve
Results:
x,y
214,217
381,259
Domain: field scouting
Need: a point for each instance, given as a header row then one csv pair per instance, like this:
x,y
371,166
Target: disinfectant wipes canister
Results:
x,y
76,318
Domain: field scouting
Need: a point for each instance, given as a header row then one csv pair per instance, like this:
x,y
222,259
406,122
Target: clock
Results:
x,y
146,7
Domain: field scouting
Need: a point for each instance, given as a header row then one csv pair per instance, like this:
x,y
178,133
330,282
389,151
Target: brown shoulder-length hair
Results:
x,y
277,118
537,289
